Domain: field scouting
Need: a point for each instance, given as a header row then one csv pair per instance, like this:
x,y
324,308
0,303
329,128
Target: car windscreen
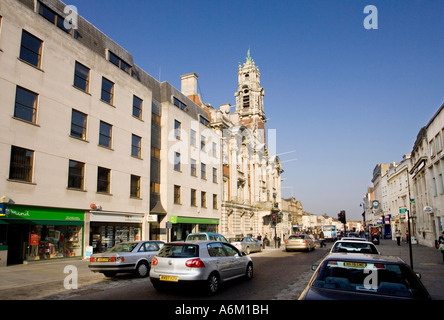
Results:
x,y
356,247
373,278
179,251
123,247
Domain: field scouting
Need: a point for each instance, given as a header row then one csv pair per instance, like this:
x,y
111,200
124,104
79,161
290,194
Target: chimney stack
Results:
x,y
189,84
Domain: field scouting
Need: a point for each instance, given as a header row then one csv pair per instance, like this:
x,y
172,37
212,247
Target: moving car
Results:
x,y
354,246
300,242
246,244
206,263
353,276
126,257
206,236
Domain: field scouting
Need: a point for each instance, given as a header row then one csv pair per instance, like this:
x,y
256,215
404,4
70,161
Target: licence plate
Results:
x,y
169,278
102,260
355,264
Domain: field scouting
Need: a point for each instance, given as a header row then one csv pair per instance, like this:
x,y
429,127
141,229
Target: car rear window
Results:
x,y
123,247
296,237
179,251
359,276
356,247
194,237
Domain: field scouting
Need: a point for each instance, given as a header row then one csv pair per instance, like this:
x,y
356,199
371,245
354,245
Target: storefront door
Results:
x,y
17,242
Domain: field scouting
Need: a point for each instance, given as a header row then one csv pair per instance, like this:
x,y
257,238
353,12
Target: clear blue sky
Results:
x,y
341,97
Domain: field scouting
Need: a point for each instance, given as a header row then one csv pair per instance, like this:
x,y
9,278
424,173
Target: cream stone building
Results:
x,y
75,136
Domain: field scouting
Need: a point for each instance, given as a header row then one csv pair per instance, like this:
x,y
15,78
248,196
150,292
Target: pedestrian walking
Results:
x,y
398,237
441,245
322,239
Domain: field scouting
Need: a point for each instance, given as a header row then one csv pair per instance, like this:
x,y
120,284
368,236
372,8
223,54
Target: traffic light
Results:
x,y
341,217
273,220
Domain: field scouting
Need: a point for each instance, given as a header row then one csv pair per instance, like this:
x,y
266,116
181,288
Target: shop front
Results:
x,y
29,233
109,228
182,226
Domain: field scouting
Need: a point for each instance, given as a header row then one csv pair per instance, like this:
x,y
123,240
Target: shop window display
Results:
x,y
104,237
52,242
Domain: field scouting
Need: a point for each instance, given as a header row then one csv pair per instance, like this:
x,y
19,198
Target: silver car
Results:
x,y
300,242
126,257
246,244
209,263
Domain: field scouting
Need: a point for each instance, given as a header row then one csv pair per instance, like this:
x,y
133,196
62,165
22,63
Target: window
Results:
x,y
105,134
155,119
103,180
215,175
55,19
214,149
155,187
179,104
31,49
193,197
203,199
177,126
21,164
155,152
135,186
76,175
202,143
246,101
193,168
25,105
204,121
214,201
81,77
177,194
177,161
78,125
119,62
136,146
107,91
137,107
203,171
193,138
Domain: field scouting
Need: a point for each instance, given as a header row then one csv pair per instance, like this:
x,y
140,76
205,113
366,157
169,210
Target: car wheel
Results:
x,y
142,270
249,272
213,284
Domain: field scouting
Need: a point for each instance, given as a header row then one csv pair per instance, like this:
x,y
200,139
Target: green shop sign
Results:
x,y
43,215
176,219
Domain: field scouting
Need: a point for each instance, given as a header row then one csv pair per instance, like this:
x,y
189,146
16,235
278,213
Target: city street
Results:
x,y
274,272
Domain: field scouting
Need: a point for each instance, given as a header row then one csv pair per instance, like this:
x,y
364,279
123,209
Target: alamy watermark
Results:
x,y
371,20
71,21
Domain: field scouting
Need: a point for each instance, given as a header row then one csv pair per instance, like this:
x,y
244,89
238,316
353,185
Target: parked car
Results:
x,y
354,246
300,242
246,244
126,257
208,263
353,276
206,236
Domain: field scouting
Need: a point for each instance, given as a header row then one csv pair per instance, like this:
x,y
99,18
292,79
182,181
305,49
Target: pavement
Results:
x,y
39,280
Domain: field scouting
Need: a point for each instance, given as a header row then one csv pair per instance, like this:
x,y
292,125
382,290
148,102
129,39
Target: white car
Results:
x,y
354,246
207,263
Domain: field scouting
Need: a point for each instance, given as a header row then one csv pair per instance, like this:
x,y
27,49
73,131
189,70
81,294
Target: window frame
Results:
x,y
136,147
135,186
106,181
38,54
73,175
21,105
176,194
77,75
84,126
110,93
106,135
25,165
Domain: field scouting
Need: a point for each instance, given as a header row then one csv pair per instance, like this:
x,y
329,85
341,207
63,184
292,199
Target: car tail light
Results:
x,y
304,241
154,262
92,259
195,263
112,259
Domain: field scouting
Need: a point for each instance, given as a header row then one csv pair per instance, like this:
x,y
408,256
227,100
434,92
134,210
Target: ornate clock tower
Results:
x,y
250,97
